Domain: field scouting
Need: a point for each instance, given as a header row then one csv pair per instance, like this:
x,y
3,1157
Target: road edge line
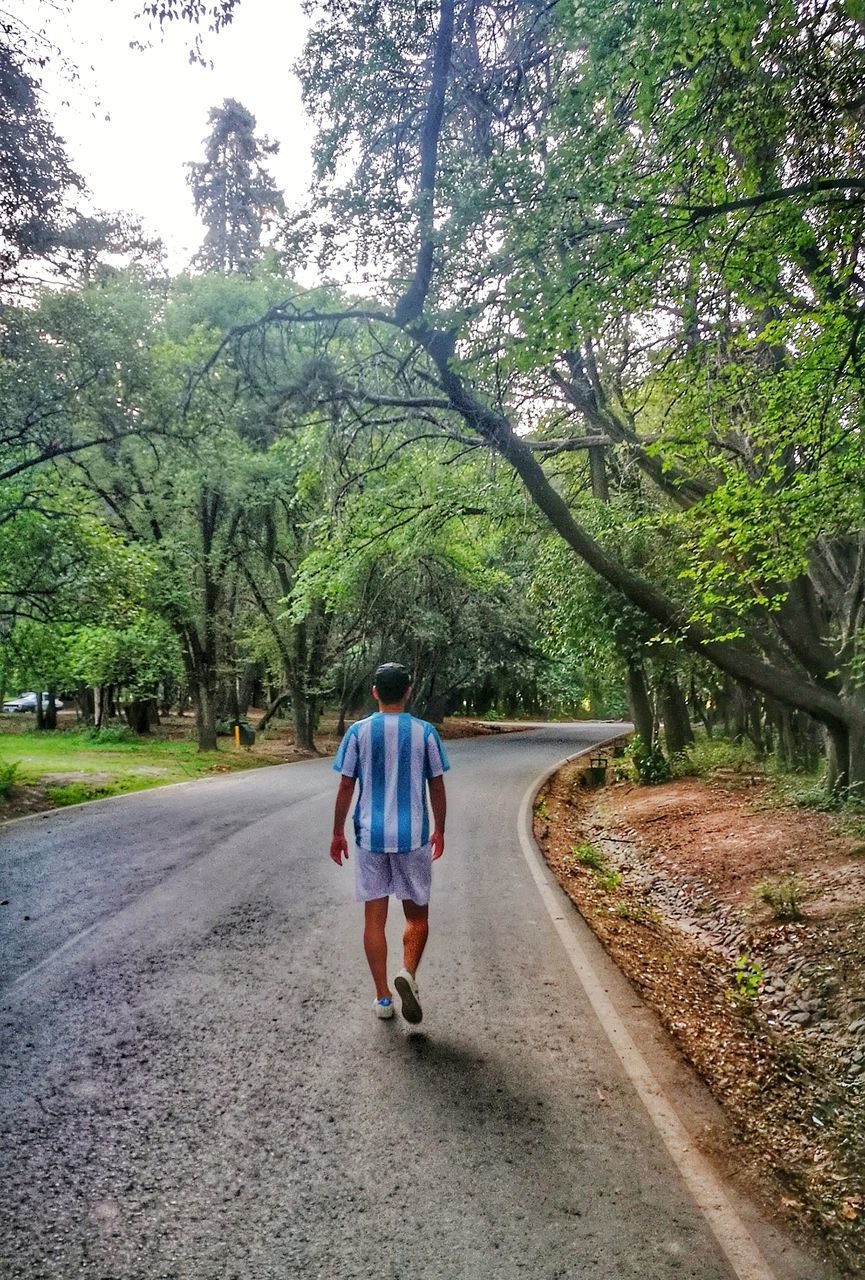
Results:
x,y
726,1225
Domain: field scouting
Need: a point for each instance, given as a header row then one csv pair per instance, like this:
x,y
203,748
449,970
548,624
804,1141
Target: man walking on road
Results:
x,y
393,757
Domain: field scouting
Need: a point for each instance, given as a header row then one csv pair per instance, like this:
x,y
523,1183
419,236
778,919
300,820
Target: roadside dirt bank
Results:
x,y
771,1011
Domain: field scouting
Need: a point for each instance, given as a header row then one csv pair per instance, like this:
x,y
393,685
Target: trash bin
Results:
x,y
244,734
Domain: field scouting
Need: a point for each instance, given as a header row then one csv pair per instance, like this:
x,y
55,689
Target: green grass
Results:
x,y
8,774
588,856
783,896
703,757
125,763
637,912
608,880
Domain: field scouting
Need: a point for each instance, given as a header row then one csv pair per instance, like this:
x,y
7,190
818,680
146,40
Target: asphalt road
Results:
x,y
194,1086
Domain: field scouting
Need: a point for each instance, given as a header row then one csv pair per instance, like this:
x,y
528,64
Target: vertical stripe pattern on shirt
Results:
x,y
404,785
418,793
391,781
392,755
377,775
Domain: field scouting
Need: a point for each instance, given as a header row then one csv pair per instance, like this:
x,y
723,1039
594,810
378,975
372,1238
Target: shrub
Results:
x,y
111,733
650,764
748,977
783,896
705,755
8,774
608,880
637,912
588,856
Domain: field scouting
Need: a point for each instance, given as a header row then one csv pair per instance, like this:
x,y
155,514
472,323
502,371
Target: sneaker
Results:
x,y
383,1008
406,989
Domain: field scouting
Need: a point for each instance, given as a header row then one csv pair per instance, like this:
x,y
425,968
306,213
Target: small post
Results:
x,y
237,733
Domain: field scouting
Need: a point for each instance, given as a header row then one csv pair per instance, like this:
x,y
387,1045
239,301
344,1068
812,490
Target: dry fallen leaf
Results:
x,y
849,1209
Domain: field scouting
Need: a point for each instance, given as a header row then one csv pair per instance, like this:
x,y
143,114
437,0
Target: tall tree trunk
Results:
x,y
678,733
785,748
142,714
640,704
40,714
856,757
204,693
303,715
598,474
50,717
246,682
740,713
837,758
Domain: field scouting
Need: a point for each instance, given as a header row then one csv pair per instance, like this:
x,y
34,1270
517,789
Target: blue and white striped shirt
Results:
x,y
392,754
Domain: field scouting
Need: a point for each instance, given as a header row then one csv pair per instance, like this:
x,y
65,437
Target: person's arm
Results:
x,y
339,845
438,801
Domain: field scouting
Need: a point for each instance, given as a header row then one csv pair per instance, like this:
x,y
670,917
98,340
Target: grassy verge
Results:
x,y
68,766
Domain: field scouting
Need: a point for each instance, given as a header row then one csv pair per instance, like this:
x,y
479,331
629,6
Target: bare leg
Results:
x,y
416,933
375,943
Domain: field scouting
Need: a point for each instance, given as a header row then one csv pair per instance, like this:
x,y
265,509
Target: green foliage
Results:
x,y
608,880
783,895
110,735
637,912
706,755
588,855
650,232
136,657
232,190
748,976
650,764
8,774
67,793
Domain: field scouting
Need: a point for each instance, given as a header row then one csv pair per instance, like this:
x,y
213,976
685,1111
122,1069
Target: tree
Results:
x,y
576,200
233,192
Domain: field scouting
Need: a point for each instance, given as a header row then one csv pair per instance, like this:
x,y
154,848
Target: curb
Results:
x,y
735,1240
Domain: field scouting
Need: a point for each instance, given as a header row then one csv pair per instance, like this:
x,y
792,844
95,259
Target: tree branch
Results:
x,y
410,305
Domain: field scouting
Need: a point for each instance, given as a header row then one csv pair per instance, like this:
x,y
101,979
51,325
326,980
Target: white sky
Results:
x,y
157,104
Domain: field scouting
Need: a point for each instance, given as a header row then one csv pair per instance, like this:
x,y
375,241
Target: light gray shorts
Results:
x,y
401,875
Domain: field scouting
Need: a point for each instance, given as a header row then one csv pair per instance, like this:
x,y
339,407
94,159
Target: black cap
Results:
x,y
392,680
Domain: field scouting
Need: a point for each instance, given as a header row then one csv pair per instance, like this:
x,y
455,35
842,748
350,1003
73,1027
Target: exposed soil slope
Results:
x,y
770,1011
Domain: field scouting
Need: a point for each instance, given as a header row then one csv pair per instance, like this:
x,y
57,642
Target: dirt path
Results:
x,y
770,1010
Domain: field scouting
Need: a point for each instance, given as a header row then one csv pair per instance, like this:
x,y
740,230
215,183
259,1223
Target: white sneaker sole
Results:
x,y
411,1010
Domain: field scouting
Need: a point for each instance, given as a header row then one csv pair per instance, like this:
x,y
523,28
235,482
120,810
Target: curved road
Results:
x,y
194,1086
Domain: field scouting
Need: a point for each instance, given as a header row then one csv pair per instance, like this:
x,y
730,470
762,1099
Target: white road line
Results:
x,y
53,955
728,1228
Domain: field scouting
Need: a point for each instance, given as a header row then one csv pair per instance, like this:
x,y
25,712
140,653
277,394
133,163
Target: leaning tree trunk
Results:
x,y
275,703
640,704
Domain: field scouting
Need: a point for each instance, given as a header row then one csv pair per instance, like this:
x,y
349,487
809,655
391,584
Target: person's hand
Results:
x,y
339,849
438,844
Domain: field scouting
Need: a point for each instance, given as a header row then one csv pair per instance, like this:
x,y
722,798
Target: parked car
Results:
x,y
27,702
